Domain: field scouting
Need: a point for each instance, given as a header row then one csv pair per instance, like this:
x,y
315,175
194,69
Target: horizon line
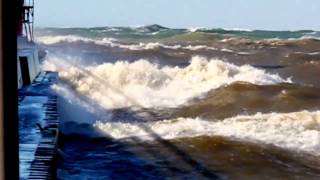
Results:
x,y
189,28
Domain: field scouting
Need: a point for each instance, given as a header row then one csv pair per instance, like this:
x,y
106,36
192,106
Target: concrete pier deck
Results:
x,y
38,128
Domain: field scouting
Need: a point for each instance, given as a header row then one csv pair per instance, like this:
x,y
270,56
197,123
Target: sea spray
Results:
x,y
143,84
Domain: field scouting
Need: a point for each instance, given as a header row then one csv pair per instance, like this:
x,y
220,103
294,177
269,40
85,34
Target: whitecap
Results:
x,y
144,84
298,131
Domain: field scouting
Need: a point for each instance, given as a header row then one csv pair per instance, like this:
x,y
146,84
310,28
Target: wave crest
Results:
x,y
298,131
143,84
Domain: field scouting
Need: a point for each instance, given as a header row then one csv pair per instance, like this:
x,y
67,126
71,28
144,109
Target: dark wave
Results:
x,y
245,98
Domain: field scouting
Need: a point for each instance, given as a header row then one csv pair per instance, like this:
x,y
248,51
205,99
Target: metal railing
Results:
x,y
28,18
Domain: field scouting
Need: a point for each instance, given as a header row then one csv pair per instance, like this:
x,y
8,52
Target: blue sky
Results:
x,y
244,14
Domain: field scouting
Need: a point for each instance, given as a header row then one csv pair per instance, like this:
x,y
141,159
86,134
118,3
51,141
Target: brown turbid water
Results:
x,y
159,103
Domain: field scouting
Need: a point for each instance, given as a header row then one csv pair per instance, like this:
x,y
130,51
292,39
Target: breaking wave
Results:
x,y
143,84
298,131
49,40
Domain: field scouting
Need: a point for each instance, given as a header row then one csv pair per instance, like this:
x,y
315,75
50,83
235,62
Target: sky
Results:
x,y
242,14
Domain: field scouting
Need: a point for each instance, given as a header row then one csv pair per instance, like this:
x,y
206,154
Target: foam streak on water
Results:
x,y
298,131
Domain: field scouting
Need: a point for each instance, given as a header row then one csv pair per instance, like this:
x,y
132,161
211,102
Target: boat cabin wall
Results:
x,y
27,71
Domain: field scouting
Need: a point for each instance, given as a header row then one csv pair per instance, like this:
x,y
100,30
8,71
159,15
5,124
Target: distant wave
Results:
x,y
158,31
114,43
196,29
111,42
143,84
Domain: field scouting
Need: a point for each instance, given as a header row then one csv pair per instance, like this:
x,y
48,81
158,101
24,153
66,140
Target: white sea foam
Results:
x,y
297,131
49,40
238,29
308,37
141,83
195,29
227,50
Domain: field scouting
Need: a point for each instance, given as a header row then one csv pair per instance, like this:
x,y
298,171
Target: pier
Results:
x,y
38,126
38,116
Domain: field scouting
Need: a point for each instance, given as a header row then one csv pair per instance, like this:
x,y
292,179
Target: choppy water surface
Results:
x,y
157,103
